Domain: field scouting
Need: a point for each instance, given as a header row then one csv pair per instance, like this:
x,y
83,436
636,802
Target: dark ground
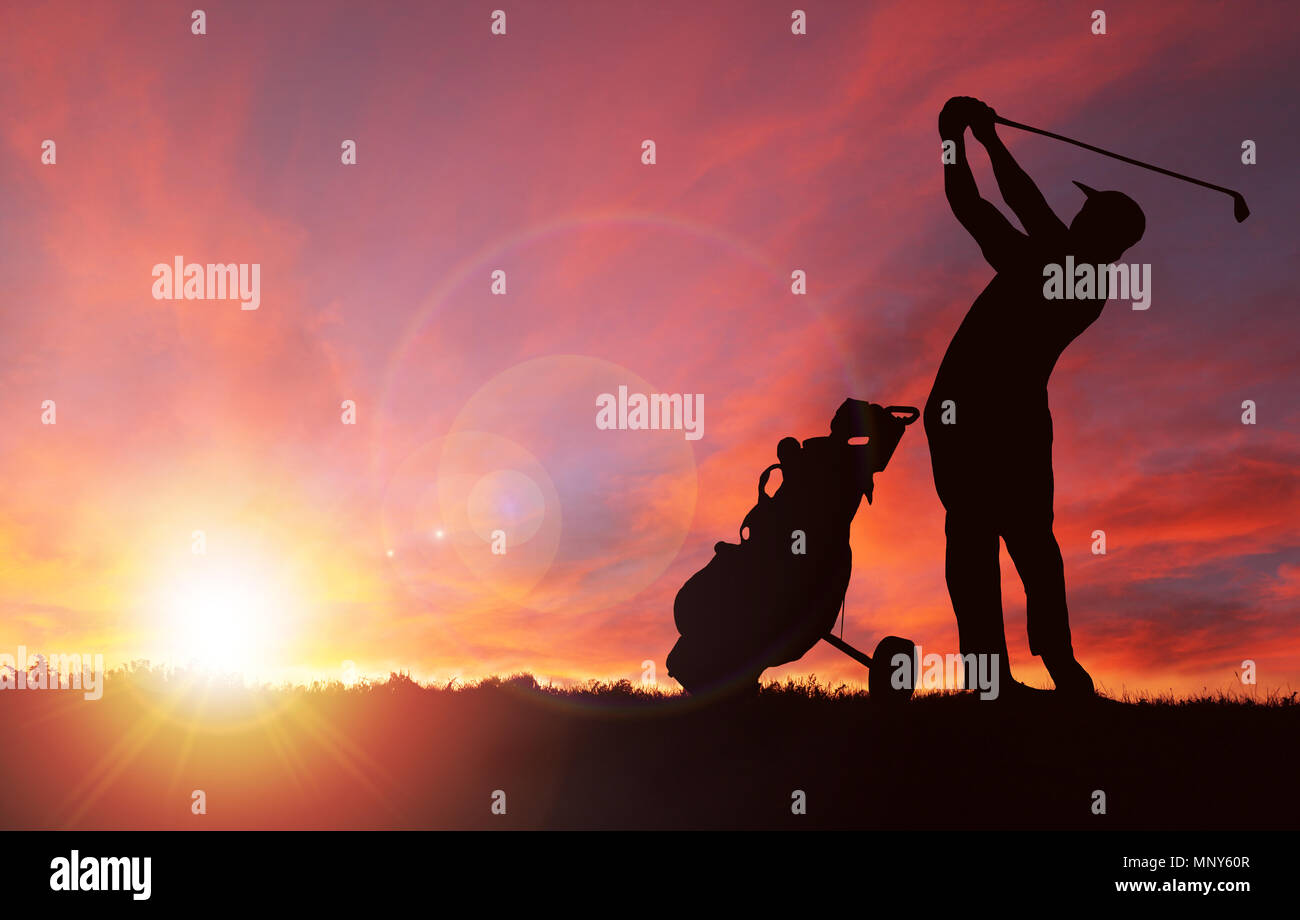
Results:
x,y
396,755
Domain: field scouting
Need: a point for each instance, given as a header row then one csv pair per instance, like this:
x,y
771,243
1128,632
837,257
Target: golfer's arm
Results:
x,y
1019,191
997,239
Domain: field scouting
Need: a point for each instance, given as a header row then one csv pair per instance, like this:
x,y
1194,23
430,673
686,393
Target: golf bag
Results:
x,y
768,599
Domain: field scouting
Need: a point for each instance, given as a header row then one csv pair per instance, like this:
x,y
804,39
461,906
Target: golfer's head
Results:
x,y
1106,226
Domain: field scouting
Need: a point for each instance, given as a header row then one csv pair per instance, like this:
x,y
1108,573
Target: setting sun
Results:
x,y
226,617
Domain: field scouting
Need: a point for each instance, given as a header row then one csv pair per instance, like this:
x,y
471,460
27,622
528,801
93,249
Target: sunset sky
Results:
x,y
368,543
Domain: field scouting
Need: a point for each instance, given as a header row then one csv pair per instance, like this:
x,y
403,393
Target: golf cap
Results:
x,y
1121,210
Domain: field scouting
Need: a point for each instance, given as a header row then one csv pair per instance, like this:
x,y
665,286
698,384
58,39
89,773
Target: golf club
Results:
x,y
1239,209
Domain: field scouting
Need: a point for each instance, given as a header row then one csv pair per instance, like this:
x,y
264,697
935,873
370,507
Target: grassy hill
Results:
x,y
395,754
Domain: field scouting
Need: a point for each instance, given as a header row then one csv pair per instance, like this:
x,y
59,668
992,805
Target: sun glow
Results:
x,y
223,617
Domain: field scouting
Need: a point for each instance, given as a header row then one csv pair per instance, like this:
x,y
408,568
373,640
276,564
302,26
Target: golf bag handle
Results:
x,y
762,496
912,412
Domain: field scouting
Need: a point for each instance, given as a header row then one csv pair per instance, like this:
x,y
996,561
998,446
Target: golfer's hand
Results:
x,y
952,118
980,119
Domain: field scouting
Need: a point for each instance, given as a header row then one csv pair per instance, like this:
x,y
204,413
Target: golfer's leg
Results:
x,y
1037,558
975,586
1026,527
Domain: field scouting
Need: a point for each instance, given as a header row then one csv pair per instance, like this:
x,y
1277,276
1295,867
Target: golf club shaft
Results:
x,y
1069,140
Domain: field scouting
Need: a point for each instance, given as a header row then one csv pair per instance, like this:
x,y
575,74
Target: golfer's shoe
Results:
x,y
1014,691
1069,676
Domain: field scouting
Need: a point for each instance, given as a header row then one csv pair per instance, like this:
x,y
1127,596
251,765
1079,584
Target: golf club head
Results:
x,y
1239,209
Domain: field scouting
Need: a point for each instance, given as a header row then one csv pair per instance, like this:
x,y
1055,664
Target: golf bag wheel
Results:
x,y
880,677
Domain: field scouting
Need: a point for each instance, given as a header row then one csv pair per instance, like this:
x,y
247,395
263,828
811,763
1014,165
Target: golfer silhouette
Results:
x,y
987,417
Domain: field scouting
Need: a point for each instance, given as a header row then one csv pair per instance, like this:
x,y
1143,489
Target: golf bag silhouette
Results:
x,y
768,599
